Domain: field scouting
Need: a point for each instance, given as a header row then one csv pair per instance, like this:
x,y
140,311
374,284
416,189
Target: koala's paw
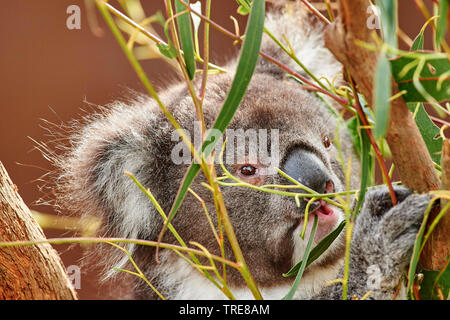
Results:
x,y
399,226
384,235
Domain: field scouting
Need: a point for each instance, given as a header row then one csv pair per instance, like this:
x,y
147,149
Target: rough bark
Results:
x,y
435,254
27,272
409,152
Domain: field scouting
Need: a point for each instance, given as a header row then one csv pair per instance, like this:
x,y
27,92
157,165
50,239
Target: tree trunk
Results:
x,y
27,272
437,249
409,152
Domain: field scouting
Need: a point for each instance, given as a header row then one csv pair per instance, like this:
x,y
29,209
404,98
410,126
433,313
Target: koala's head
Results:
x,y
295,133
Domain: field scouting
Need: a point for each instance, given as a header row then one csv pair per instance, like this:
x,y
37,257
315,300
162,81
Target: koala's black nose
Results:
x,y
305,167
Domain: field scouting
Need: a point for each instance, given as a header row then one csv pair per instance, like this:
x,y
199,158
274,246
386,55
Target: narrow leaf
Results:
x,y
317,250
362,145
389,21
416,251
294,287
167,50
366,167
187,42
382,93
418,42
244,7
352,126
442,23
242,11
429,132
245,69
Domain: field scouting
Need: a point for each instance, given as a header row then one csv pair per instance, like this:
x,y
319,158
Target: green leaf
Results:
x,y
245,69
187,42
242,11
363,146
352,126
416,252
429,132
418,42
302,267
168,51
389,20
434,281
366,168
382,93
434,77
317,250
442,23
382,85
244,7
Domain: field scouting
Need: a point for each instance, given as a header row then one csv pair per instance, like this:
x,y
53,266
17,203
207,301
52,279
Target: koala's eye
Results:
x,y
326,142
248,170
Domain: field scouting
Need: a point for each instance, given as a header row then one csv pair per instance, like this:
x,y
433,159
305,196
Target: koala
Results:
x,y
135,136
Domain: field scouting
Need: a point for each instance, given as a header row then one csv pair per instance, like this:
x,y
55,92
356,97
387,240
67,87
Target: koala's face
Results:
x,y
295,134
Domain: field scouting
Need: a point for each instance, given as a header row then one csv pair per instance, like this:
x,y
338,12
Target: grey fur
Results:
x,y
135,136
383,238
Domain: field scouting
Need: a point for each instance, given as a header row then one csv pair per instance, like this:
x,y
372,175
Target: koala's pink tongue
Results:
x,y
324,209
327,220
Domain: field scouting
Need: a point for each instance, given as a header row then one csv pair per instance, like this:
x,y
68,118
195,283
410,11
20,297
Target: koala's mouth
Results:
x,y
322,209
328,219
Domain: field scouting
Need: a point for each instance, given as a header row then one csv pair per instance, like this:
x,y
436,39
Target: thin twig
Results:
x,y
316,12
378,154
205,53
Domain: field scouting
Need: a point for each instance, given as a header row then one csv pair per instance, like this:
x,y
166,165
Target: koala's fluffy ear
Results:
x,y
304,33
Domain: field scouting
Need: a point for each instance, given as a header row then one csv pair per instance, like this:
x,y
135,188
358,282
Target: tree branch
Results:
x,y
437,249
31,272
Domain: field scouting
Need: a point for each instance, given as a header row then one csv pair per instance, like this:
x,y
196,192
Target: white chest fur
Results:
x,y
181,281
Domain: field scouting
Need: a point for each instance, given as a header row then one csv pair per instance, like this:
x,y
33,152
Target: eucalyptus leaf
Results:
x,y
242,11
303,264
317,251
418,42
429,132
416,253
168,51
434,77
187,42
442,23
352,126
244,7
389,20
434,281
382,93
382,84
366,168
